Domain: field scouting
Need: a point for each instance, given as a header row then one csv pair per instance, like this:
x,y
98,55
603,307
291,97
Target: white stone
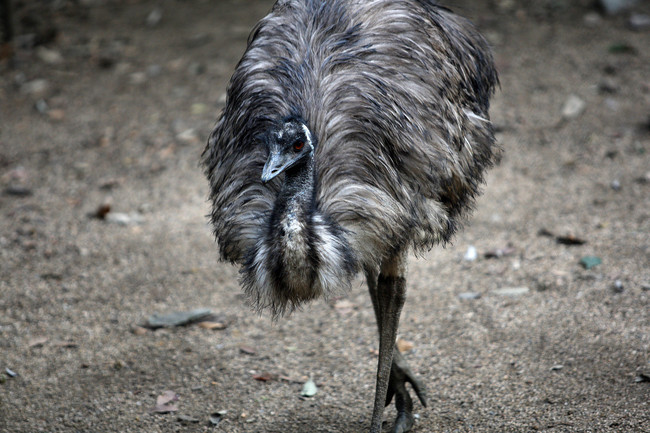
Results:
x,y
573,107
471,254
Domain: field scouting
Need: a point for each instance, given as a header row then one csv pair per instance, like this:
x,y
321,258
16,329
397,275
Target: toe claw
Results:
x,y
403,423
418,387
406,375
389,394
400,374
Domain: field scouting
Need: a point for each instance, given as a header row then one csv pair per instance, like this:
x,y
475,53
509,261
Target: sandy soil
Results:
x,y
121,121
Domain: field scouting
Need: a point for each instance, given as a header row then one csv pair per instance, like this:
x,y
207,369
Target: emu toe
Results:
x,y
400,374
403,423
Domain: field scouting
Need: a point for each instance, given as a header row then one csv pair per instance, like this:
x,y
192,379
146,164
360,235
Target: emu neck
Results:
x,y
290,231
298,188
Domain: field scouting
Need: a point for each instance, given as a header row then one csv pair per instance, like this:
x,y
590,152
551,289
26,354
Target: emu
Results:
x,y
354,132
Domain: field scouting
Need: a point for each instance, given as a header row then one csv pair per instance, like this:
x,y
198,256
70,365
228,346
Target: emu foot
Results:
x,y
403,422
400,374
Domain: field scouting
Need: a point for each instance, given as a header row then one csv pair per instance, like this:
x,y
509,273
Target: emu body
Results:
x,y
354,132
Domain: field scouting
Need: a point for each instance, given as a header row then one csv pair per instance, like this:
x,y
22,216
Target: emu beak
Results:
x,y
274,166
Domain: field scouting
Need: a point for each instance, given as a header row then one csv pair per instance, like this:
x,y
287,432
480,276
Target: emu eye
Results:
x,y
298,145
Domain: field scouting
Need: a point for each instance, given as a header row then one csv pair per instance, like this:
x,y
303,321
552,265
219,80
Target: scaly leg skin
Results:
x,y
388,292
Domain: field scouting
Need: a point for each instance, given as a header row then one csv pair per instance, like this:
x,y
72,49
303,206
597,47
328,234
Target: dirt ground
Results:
x,y
131,91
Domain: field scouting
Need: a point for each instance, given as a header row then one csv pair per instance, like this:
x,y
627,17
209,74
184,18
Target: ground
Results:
x,y
132,89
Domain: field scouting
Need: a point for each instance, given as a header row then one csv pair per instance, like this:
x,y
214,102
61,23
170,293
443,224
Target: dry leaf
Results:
x,y
139,330
177,318
499,252
186,419
212,325
67,344
102,211
166,402
37,342
167,151
291,379
265,376
247,350
545,232
570,240
404,346
344,307
309,389
111,183
56,114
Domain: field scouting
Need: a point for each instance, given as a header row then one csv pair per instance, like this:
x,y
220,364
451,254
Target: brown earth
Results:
x,y
122,121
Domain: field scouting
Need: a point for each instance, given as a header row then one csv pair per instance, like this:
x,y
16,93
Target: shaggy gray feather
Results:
x,y
396,93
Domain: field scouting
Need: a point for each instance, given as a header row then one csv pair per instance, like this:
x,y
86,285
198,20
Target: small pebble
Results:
x,y
643,180
198,40
122,68
199,108
309,389
506,5
469,295
215,418
139,330
471,254
105,60
154,70
589,262
20,78
51,57
124,219
196,68
511,291
35,87
18,191
154,17
41,106
107,137
618,286
642,377
615,185
639,22
608,85
611,104
592,19
138,78
18,174
573,107
616,6
188,136
56,114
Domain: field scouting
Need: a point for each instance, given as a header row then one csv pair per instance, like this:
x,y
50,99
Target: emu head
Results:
x,y
290,144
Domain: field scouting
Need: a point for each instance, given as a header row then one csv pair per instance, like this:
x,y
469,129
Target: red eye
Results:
x,y
298,145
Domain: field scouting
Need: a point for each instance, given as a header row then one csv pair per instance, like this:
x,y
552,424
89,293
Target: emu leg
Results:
x,y
400,373
388,292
